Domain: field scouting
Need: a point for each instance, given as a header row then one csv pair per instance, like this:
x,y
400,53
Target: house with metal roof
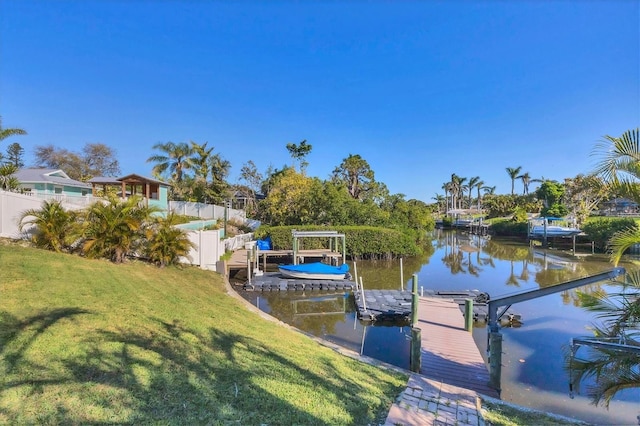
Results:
x,y
55,183
42,182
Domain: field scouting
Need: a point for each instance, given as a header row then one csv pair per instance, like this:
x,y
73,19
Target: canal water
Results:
x,y
533,373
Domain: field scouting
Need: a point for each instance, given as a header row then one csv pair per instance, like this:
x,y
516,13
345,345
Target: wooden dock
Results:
x,y
449,353
237,262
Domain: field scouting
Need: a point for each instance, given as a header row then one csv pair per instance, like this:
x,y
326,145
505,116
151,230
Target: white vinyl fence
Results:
x,y
208,245
205,211
208,249
237,242
12,205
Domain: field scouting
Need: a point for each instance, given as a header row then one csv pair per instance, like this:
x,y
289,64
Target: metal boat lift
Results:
x,y
494,337
333,236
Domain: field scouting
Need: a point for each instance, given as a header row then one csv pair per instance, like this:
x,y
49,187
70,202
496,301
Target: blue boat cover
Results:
x,y
317,268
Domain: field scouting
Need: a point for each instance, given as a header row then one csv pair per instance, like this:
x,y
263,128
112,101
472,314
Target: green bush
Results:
x,y
555,210
507,228
601,230
362,242
519,215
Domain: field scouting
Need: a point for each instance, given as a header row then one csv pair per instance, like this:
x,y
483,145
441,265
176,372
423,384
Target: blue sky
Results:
x,y
419,89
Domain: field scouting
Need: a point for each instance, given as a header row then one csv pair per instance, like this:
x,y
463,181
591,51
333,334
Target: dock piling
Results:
x,y
355,273
414,300
415,359
364,301
248,266
468,314
495,359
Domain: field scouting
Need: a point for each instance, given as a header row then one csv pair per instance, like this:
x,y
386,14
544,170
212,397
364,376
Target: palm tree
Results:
x,y
166,244
513,174
219,171
115,229
479,186
175,159
614,370
199,161
619,167
447,190
440,201
5,133
489,190
472,183
455,188
53,226
526,180
8,182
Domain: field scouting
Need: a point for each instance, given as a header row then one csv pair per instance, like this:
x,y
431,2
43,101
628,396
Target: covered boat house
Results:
x,y
153,191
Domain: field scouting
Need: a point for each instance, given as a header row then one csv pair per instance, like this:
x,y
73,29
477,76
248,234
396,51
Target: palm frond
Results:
x,y
621,241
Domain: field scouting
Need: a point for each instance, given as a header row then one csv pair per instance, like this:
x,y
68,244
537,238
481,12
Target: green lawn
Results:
x,y
87,341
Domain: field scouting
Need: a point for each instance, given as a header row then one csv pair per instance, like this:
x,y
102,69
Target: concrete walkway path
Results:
x,y
430,402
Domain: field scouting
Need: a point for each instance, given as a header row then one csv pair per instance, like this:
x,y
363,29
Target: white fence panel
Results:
x,y
205,211
12,205
208,249
237,242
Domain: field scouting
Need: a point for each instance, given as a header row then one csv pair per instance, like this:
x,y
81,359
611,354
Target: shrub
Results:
x,y
508,228
601,230
361,241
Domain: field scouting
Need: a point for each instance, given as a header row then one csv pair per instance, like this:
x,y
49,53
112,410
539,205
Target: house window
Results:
x,y
58,190
84,192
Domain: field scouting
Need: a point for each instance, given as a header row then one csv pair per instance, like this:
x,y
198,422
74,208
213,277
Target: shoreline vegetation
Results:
x,y
133,343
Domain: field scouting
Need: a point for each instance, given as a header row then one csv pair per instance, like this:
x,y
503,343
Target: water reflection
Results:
x,y
533,372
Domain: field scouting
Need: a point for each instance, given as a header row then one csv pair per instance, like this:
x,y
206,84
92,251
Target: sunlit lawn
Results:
x,y
87,341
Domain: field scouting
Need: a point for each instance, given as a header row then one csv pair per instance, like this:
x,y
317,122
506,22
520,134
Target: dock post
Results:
x,y
414,300
401,276
355,273
364,301
248,266
468,314
415,359
495,359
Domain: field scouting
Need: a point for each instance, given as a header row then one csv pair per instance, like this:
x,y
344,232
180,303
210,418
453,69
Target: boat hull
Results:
x,y
314,271
554,231
308,276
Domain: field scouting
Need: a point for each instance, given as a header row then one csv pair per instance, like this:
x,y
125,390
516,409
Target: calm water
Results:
x,y
533,360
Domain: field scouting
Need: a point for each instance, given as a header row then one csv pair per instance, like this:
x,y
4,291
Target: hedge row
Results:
x,y
362,242
601,229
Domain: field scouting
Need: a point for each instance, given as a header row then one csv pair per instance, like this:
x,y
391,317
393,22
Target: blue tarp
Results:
x,y
265,244
317,268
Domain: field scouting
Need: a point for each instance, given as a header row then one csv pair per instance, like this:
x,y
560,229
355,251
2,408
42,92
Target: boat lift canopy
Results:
x,y
333,237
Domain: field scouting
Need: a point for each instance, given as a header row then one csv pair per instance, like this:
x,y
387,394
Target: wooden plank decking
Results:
x,y
449,353
238,261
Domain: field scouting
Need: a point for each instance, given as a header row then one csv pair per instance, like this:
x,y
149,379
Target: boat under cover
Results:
x,y
554,231
315,271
